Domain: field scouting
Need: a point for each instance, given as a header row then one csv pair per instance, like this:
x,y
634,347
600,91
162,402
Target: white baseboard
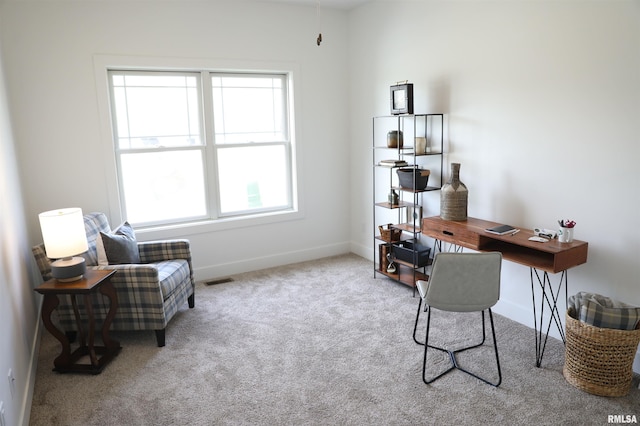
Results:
x,y
27,399
362,250
268,261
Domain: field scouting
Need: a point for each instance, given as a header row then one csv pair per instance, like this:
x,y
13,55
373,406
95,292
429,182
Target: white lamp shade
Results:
x,y
63,232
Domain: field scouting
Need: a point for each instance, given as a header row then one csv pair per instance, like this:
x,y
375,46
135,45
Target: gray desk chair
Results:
x,y
461,282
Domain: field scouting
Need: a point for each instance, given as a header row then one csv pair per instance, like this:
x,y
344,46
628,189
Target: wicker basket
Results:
x,y
599,360
389,234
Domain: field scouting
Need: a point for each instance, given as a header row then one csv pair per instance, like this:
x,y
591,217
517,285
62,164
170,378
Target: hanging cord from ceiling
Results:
x,y
319,39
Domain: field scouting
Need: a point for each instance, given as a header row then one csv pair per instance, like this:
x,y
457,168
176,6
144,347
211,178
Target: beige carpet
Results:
x,y
316,343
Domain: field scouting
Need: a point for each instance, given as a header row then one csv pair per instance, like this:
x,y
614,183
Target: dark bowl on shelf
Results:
x,y
413,178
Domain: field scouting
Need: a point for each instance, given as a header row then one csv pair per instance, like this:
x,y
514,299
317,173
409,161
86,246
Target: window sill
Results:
x,y
183,230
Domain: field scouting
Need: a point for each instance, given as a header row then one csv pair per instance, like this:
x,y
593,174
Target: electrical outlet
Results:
x,y
12,382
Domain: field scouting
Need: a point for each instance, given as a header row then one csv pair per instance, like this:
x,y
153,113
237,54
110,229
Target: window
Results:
x,y
252,142
201,145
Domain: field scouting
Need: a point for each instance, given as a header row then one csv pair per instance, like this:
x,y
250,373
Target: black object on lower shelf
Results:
x,y
412,252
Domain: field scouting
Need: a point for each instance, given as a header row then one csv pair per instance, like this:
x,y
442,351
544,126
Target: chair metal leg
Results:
x,y
426,346
495,347
452,354
415,327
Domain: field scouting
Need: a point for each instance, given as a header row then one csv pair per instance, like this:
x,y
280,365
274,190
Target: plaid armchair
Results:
x,y
149,293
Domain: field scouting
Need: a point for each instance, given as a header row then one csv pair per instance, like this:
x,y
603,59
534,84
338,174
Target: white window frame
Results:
x,y
286,143
103,64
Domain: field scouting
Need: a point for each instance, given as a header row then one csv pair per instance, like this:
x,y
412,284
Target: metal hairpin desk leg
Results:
x,y
453,248
550,298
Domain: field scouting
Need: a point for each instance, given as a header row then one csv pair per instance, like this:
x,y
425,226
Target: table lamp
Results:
x,y
65,237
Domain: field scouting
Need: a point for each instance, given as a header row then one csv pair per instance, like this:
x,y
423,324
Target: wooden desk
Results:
x,y
542,258
92,281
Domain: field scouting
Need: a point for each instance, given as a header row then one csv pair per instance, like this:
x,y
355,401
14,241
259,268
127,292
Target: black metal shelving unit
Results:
x,y
405,215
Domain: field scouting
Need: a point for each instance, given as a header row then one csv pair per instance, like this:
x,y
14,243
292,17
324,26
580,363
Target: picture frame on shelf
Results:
x,y
401,96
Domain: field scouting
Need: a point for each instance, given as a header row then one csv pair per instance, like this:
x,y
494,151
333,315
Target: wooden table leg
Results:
x,y
63,361
70,361
109,291
92,328
76,314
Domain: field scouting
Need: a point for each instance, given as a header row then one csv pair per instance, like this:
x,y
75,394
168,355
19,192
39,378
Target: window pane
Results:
x,y
249,109
158,80
253,178
163,186
156,111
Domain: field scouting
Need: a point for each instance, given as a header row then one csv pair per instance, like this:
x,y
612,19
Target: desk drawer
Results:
x,y
458,233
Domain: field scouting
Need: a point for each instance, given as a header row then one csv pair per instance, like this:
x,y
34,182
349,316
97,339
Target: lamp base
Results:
x,y
68,269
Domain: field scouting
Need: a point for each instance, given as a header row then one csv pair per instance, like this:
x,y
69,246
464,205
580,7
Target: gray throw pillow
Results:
x,y
121,246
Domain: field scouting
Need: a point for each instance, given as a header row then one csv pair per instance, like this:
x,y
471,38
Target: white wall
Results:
x,y
18,301
541,98
542,102
48,52
61,143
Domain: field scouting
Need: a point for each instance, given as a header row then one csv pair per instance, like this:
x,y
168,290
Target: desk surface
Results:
x,y
551,256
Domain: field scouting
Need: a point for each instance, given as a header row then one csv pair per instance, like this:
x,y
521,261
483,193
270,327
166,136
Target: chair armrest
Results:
x,y
132,274
136,284
157,251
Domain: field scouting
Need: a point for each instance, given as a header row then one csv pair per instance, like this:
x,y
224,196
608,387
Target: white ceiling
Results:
x,y
338,4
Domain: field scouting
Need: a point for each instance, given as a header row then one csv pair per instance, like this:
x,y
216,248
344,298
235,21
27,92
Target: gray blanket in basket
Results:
x,y
604,312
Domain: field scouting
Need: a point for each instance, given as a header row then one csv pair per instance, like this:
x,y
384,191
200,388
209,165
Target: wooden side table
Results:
x,y
99,356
